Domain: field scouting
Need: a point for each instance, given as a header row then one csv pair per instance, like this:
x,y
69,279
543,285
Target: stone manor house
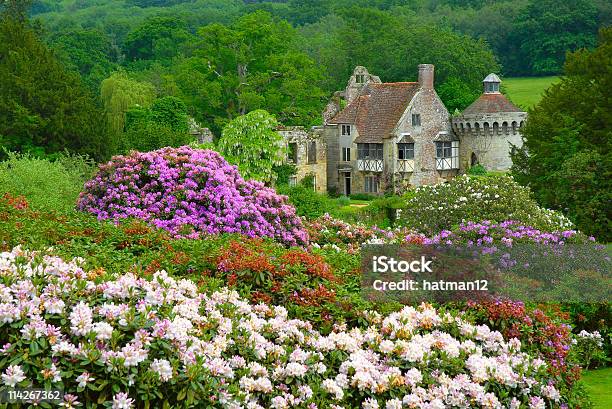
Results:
x,y
377,136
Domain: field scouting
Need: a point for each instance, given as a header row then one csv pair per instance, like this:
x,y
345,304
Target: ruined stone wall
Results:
x,y
329,134
489,136
302,139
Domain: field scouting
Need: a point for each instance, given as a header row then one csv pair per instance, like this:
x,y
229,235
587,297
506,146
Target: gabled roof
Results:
x,y
490,104
377,110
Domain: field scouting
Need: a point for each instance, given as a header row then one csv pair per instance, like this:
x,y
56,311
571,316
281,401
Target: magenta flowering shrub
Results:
x,y
190,192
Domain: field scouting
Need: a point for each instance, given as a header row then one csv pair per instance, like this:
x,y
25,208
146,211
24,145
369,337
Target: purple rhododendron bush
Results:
x,y
190,192
121,341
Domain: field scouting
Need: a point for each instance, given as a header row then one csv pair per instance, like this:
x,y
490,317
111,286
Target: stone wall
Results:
x,y
488,136
302,139
434,120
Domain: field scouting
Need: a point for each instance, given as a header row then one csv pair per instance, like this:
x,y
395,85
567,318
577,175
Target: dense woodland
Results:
x,y
101,77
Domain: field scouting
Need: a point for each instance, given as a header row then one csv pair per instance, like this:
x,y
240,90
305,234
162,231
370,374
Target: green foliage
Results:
x,y
306,201
362,196
43,108
543,37
47,185
145,136
90,52
165,123
158,38
431,209
253,65
568,138
251,142
377,40
119,93
283,173
172,112
456,94
477,170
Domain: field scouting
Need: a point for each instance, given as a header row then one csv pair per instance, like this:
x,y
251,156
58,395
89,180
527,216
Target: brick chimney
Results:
x,y
426,76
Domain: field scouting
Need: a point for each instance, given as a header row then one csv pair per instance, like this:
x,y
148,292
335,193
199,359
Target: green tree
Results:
x,y
251,142
547,29
567,142
456,94
44,108
158,38
255,65
119,93
392,46
89,52
165,123
171,112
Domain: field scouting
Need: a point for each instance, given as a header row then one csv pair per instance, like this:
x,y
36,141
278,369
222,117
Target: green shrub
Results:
x,y
343,201
306,201
283,173
47,184
496,198
362,196
477,170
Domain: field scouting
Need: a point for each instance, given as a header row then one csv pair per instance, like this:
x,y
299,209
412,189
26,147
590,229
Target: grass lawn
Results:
x,y
526,91
599,385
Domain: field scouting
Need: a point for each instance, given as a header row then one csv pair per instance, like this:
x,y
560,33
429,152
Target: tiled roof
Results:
x,y
491,103
377,110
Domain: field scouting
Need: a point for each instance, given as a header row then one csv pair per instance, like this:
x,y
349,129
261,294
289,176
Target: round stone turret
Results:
x,y
488,128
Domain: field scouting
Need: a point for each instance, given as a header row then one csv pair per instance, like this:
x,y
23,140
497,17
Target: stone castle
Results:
x,y
387,136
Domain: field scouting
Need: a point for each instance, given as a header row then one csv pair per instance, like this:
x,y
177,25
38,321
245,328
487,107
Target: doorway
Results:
x,y
347,183
474,159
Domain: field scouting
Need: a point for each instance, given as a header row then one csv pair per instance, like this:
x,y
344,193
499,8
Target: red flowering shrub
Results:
x,y
548,334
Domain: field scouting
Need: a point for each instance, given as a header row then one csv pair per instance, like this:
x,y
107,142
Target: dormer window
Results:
x,y
491,84
491,87
360,78
346,130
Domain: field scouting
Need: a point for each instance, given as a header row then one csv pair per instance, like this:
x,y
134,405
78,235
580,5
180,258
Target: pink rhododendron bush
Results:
x,y
190,192
122,341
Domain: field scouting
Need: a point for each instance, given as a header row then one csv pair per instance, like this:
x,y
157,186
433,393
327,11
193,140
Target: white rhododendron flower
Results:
x,y
165,331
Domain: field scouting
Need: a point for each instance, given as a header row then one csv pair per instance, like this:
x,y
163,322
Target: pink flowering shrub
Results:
x,y
189,192
327,231
123,341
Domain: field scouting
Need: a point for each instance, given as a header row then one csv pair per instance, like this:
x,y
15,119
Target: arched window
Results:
x,y
486,128
473,160
495,127
505,127
514,124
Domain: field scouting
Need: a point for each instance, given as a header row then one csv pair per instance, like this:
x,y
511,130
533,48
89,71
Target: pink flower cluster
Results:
x,y
164,335
190,192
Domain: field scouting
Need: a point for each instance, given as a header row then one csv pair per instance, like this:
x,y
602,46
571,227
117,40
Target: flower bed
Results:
x,y
433,208
327,231
189,192
122,341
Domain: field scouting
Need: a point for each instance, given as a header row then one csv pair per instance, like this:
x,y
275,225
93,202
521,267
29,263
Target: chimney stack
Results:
x,y
426,76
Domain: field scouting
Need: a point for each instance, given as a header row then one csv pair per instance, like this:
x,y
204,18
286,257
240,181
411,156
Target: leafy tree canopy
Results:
x,y
119,93
567,142
158,38
547,29
90,52
252,143
44,109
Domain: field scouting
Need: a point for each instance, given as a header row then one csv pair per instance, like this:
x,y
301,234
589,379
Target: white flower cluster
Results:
x,y
594,336
163,330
